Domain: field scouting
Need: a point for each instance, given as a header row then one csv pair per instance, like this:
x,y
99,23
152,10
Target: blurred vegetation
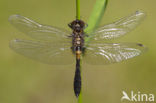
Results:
x,y
23,80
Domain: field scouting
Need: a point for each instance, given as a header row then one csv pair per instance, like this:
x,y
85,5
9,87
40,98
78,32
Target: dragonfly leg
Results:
x,y
83,51
86,35
70,25
86,25
73,49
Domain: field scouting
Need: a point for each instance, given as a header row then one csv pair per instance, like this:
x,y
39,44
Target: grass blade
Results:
x,y
96,16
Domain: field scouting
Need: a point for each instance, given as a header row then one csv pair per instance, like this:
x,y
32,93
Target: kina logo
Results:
x,y
137,97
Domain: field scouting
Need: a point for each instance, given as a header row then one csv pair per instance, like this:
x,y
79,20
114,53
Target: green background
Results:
x,y
23,80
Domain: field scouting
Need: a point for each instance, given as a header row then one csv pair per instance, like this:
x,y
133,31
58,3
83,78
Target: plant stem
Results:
x,y
93,22
78,9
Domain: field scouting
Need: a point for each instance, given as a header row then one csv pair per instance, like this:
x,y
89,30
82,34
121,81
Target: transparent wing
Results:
x,y
119,27
111,53
50,53
38,31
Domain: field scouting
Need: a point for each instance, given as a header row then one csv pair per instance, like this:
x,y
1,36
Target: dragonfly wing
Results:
x,y
112,52
38,31
119,27
50,53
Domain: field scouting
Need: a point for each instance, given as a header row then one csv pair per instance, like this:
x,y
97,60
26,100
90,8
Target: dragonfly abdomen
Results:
x,y
77,79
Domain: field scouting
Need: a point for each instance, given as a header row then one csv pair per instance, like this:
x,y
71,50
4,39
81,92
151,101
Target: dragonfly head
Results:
x,y
77,25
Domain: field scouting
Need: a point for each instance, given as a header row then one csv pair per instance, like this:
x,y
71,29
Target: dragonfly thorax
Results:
x,y
78,31
78,40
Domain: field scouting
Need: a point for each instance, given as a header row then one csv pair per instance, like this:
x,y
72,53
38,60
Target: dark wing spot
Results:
x,y
140,44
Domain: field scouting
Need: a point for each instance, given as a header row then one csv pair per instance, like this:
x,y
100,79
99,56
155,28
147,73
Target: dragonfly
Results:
x,y
56,46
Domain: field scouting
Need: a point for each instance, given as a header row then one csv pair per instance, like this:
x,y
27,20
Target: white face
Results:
x,y
77,25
